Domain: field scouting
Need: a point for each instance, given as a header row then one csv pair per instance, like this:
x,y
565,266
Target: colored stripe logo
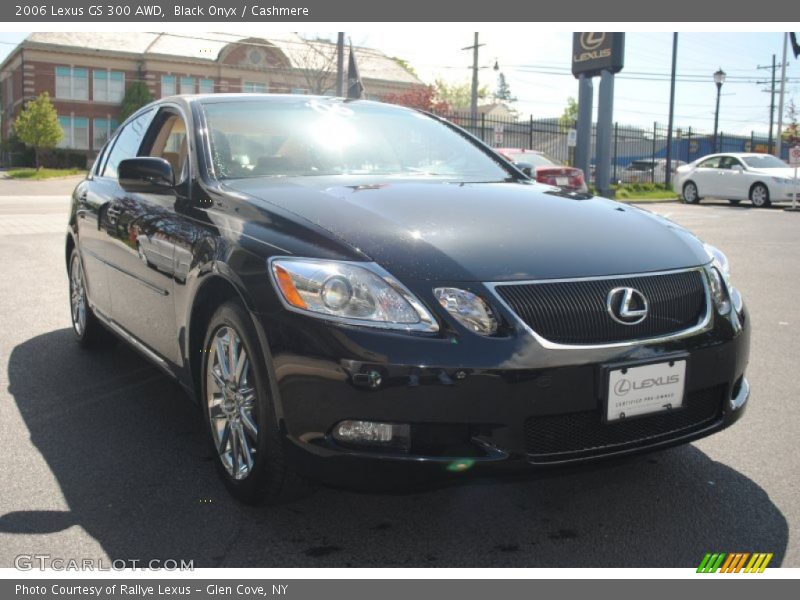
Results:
x,y
736,562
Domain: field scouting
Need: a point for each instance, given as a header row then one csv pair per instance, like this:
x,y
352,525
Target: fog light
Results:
x,y
370,433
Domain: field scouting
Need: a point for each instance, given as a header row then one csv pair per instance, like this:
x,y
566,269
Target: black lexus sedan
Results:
x,y
345,282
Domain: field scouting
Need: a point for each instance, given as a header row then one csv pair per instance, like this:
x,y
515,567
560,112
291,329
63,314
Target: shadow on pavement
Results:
x,y
128,450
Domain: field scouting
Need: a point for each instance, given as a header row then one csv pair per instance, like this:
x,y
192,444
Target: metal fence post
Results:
x,y
653,172
616,138
689,145
530,133
483,127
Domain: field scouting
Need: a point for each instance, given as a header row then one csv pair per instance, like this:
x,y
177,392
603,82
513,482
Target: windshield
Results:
x,y
764,161
532,158
641,165
301,137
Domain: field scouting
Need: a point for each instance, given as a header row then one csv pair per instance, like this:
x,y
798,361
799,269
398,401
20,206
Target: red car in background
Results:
x,y
545,169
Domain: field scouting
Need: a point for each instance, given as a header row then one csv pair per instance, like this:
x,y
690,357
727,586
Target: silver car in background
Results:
x,y
760,178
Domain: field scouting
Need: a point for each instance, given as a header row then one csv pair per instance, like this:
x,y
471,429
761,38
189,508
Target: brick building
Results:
x,y
86,74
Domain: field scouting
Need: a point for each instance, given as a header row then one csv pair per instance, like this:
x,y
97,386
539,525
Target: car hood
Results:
x,y
483,231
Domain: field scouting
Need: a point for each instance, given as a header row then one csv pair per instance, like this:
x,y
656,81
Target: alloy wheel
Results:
x,y
77,296
759,196
690,193
231,398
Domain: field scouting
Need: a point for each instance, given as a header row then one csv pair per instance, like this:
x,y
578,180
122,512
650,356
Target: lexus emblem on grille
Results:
x,y
627,305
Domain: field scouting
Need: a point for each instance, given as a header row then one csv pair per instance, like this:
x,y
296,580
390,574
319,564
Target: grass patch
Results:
x,y
34,175
636,192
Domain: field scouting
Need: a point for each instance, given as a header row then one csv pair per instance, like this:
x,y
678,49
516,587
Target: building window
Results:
x,y
102,129
76,132
109,86
187,85
72,83
299,91
252,87
168,85
206,86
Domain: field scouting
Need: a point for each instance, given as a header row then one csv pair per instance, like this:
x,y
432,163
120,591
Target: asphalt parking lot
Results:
x,y
104,457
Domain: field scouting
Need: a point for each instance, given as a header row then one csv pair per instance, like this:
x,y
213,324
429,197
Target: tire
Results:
x,y
89,332
734,202
759,196
239,412
690,195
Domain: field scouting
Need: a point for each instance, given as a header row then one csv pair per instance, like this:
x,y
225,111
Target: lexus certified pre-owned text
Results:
x,y
341,283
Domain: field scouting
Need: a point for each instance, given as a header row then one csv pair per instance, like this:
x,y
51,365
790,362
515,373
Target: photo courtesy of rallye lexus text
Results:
x,y
350,283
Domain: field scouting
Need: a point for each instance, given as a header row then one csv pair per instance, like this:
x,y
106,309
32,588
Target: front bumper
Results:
x,y
485,400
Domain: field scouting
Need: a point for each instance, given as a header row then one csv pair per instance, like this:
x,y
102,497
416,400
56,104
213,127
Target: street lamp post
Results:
x,y
719,79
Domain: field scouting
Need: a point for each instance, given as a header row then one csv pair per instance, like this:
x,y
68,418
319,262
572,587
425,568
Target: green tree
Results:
x,y
503,91
458,96
136,96
791,133
405,64
569,116
37,125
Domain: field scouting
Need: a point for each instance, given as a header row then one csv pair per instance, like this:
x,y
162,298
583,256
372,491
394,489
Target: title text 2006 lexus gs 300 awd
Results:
x,y
344,282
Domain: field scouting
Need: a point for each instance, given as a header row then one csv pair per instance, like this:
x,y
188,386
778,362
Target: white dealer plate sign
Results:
x,y
634,391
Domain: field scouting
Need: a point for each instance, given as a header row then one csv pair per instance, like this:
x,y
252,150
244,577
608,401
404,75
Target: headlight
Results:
x,y
719,259
720,279
783,180
353,293
468,309
718,291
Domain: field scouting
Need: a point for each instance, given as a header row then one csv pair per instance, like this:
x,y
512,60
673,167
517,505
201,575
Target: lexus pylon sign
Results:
x,y
593,52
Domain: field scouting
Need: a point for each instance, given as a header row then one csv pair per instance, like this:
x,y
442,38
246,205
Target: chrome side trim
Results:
x,y
147,284
703,325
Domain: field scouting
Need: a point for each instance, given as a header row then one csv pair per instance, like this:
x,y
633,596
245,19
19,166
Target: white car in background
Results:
x,y
736,176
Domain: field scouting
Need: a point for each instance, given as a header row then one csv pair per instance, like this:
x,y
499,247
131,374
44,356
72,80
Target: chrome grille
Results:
x,y
575,312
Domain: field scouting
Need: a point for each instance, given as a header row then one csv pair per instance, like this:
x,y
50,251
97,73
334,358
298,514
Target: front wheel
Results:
x,y
238,406
690,195
759,196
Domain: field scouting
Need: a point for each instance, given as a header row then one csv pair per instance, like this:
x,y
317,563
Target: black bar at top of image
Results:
x,y
155,11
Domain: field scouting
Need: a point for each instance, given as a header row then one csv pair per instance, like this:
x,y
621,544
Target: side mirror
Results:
x,y
526,168
737,169
146,175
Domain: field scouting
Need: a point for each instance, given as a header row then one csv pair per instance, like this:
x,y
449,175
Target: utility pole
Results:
x,y
782,92
770,140
340,65
668,176
474,99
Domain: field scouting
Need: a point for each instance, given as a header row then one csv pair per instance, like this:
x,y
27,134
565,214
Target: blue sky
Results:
x,y
533,60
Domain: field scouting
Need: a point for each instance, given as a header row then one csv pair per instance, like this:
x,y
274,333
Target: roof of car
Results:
x,y
739,154
253,97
